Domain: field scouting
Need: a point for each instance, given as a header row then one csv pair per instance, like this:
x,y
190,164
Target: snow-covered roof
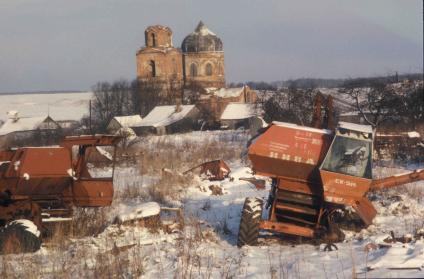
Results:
x,y
350,113
238,111
165,115
414,134
21,124
303,128
128,121
356,127
210,89
229,92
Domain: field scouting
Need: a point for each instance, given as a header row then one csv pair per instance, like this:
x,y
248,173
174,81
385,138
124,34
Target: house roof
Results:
x,y
165,115
235,111
303,128
356,127
414,134
229,92
22,124
128,121
224,92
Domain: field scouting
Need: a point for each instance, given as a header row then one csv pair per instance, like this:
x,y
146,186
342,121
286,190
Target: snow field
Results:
x,y
205,245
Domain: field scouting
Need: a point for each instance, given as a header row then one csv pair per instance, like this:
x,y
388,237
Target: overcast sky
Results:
x,y
62,44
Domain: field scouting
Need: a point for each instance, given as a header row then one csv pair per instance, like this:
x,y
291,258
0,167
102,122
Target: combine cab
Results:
x,y
39,184
314,172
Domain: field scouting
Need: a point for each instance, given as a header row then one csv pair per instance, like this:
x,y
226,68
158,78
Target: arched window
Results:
x,y
208,69
174,67
153,39
193,70
152,69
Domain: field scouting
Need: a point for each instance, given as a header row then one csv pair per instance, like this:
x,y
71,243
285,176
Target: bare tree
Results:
x,y
122,98
148,94
192,93
411,104
110,100
291,105
376,103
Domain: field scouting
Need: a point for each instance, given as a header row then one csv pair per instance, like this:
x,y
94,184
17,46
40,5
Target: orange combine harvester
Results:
x,y
42,184
314,173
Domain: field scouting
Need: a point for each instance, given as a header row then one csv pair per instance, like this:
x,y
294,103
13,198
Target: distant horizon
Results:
x,y
53,91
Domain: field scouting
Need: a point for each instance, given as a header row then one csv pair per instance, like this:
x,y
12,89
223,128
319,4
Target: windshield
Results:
x,y
349,156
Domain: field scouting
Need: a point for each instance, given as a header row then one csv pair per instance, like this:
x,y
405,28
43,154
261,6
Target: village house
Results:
x,y
18,131
118,123
238,115
215,100
168,120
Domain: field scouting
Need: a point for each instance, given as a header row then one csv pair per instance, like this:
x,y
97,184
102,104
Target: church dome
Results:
x,y
202,39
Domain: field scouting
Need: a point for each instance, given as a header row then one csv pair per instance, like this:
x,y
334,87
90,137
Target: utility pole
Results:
x,y
91,130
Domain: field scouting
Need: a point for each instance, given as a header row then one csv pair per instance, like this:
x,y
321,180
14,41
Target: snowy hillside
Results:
x,y
60,106
202,243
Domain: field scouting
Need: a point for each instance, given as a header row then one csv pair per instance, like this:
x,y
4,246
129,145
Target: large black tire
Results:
x,y
249,223
19,236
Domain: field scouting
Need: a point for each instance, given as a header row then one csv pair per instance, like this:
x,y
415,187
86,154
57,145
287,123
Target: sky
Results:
x,y
71,45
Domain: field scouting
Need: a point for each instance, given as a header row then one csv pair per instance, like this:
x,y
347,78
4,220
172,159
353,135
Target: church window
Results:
x,y
153,39
208,69
193,70
174,67
152,68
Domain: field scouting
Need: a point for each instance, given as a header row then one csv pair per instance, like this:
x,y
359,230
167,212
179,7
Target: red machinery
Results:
x,y
314,173
43,182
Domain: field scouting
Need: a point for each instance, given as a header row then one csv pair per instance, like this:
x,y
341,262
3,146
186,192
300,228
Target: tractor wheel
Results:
x,y
19,236
250,221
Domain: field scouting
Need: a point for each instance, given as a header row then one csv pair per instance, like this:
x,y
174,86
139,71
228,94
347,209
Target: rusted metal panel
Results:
x,y
344,186
289,150
296,208
296,197
300,186
97,140
213,170
40,162
39,187
93,192
299,220
287,228
6,155
365,210
259,183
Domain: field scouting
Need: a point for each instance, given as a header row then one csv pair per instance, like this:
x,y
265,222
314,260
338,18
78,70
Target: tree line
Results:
x,y
376,100
122,98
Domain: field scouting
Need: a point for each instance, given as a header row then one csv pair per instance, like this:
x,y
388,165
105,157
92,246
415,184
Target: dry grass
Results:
x,y
168,159
70,255
89,221
186,154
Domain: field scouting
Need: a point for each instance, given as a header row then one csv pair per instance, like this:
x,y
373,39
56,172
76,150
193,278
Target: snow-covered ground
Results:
x,y
205,246
60,106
